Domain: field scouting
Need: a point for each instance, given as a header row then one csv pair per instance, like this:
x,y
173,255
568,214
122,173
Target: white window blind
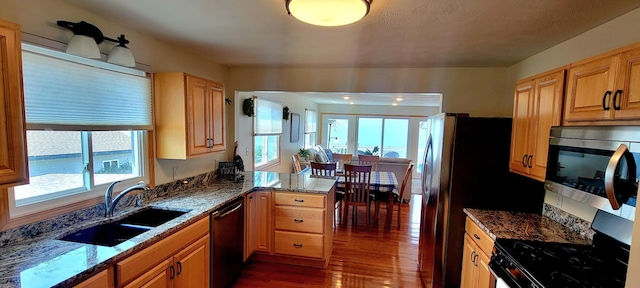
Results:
x,y
66,92
311,121
268,120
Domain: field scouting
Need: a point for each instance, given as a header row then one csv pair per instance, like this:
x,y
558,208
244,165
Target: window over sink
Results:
x,y
87,124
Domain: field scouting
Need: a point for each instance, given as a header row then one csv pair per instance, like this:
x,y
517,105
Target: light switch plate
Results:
x,y
176,172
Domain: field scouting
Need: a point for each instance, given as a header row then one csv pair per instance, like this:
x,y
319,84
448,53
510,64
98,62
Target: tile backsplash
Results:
x,y
568,220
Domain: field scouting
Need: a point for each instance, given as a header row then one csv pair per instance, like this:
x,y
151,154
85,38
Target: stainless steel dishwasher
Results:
x,y
227,243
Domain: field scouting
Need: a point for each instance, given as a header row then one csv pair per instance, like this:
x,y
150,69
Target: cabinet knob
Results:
x,y
297,245
298,220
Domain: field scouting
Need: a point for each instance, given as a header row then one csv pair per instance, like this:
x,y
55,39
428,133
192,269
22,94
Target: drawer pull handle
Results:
x,y
298,220
297,245
476,236
299,200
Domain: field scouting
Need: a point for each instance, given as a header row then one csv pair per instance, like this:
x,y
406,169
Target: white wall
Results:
x,y
478,91
244,130
613,34
39,18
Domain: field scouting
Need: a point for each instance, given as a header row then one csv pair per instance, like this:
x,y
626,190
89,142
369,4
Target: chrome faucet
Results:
x,y
110,203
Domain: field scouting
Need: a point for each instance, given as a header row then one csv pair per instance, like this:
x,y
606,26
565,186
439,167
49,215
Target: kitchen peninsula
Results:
x,y
32,255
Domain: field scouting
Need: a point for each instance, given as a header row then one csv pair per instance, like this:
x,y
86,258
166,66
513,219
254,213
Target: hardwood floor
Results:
x,y
361,258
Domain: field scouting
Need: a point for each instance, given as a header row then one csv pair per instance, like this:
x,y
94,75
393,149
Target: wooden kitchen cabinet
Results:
x,y
189,116
264,222
104,279
292,228
605,89
13,150
537,106
475,260
180,260
250,226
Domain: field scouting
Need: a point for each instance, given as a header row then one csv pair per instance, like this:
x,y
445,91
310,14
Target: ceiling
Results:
x,y
396,33
379,99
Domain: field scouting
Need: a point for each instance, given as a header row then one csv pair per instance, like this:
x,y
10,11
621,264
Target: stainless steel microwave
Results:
x,y
596,165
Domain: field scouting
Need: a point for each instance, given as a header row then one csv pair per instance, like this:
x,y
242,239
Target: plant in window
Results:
x,y
373,152
303,153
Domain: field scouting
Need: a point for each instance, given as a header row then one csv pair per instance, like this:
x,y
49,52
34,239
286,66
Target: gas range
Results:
x,y
535,264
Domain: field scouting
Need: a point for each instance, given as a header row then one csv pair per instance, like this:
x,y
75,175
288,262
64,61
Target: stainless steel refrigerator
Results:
x,y
466,165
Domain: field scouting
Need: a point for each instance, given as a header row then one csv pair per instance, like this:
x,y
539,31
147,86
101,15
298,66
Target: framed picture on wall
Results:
x,y
295,127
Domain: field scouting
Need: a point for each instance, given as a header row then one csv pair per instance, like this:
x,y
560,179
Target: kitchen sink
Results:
x,y
151,217
114,233
108,234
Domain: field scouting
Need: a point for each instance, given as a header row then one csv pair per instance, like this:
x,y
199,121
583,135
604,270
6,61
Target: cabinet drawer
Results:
x,y
300,199
300,219
479,236
299,244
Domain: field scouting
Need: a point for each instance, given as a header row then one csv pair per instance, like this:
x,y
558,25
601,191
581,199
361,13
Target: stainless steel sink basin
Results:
x,y
114,233
151,217
109,234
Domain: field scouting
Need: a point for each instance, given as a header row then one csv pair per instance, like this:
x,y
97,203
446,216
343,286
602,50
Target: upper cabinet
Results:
x,y
13,150
537,106
189,116
604,90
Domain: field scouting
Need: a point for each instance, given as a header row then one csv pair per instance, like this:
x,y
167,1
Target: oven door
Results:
x,y
603,174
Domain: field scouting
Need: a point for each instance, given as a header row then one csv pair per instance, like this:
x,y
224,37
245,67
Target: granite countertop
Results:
x,y
524,226
48,262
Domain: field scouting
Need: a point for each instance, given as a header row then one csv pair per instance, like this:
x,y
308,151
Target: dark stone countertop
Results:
x,y
524,226
48,262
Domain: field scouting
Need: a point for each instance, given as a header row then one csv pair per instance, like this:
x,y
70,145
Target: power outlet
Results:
x,y
176,172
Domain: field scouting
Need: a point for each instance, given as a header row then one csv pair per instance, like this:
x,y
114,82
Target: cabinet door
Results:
x,y
627,106
264,222
547,112
469,270
160,276
484,275
104,279
192,265
197,116
217,120
250,201
590,90
520,127
13,158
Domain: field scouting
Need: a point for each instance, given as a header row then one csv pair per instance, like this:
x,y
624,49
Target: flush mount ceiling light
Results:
x,y
86,38
398,98
328,12
345,97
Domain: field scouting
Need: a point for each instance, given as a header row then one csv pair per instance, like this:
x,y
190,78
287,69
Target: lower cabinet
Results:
x,y
295,229
104,279
179,260
475,260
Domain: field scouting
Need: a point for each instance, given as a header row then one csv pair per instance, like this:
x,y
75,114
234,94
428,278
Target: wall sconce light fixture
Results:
x,y
86,38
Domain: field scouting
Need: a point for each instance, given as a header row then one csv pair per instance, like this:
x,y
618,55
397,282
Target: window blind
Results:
x,y
311,121
66,92
268,120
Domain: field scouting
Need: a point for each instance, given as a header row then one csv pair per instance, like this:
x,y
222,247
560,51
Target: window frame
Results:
x,y
76,195
275,132
20,215
310,132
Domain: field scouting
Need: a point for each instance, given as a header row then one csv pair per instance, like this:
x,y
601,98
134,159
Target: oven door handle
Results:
x,y
500,272
610,173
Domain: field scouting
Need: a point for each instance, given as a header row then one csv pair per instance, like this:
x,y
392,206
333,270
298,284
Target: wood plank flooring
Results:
x,y
361,258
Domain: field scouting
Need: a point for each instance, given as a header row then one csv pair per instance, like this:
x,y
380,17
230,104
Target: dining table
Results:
x,y
381,182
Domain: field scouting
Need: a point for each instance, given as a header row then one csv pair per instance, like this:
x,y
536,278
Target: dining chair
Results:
x,y
295,159
357,191
341,159
384,198
369,160
323,169
329,169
